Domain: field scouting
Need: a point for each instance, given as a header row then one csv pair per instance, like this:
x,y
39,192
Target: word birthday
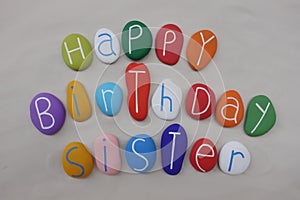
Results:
x,y
48,113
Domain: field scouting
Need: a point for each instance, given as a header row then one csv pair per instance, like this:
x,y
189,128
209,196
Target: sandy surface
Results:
x,y
258,53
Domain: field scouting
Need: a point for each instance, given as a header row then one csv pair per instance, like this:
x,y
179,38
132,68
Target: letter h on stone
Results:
x,y
163,97
73,50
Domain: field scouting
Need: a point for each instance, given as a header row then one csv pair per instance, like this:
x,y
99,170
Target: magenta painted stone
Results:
x,y
47,113
107,154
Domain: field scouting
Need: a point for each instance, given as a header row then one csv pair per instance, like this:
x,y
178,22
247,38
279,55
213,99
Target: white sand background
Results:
x,y
258,53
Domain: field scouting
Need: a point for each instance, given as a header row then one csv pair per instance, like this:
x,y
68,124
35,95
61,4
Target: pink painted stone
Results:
x,y
107,154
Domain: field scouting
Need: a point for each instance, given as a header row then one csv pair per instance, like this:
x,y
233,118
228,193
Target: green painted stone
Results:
x,y
77,52
136,40
260,117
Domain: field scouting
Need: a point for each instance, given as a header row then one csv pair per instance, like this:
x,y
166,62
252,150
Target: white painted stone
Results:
x,y
107,46
234,158
166,100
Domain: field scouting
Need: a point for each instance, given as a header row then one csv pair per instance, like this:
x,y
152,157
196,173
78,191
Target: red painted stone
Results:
x,y
168,44
200,101
204,155
138,86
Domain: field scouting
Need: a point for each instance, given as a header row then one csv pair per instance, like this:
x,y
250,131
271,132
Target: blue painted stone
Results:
x,y
109,98
47,113
141,153
173,147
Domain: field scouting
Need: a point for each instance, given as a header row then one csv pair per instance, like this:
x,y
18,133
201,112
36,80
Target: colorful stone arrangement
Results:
x,y
48,113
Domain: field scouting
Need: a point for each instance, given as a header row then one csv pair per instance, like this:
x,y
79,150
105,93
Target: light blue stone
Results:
x,y
141,153
109,98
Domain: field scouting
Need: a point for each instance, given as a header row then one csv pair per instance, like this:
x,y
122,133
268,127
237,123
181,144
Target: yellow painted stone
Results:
x,y
79,105
77,160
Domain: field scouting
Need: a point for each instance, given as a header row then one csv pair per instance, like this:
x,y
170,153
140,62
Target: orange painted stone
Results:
x,y
138,86
230,109
201,49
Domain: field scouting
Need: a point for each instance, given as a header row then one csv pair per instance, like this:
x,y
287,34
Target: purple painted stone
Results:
x,y
173,147
47,113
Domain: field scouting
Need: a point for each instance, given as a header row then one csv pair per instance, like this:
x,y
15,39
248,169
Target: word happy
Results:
x,y
48,113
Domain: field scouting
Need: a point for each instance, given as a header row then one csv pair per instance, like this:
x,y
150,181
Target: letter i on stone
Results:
x,y
107,154
79,105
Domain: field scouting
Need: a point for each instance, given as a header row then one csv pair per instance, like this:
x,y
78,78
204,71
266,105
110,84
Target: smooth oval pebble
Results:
x,y
136,40
107,154
77,160
234,158
141,153
166,100
173,147
204,155
201,49
200,101
109,97
47,113
260,117
230,109
77,52
79,105
107,46
168,44
138,86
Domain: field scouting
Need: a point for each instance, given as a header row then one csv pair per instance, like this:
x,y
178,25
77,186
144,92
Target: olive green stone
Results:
x,y
136,40
77,52
260,116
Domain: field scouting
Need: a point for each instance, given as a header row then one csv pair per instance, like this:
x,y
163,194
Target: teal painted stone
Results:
x,y
136,40
260,117
109,98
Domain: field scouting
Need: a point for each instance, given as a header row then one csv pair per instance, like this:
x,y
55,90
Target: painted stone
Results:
x,y
138,86
260,117
77,160
109,97
107,154
47,113
168,44
173,147
166,100
234,158
200,101
201,49
230,109
204,155
77,52
107,46
141,153
136,40
79,105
